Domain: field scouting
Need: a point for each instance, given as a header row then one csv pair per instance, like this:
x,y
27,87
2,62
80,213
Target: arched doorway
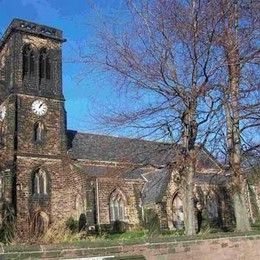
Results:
x,y
41,223
177,212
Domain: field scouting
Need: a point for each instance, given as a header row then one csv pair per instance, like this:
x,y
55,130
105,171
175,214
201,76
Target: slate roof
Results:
x,y
106,148
118,149
155,187
157,181
212,179
98,171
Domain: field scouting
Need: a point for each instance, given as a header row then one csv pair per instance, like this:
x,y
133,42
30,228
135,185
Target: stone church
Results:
x,y
50,174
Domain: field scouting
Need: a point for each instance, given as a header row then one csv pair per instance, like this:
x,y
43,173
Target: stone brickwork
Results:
x,y
229,248
64,189
79,172
131,190
21,154
53,121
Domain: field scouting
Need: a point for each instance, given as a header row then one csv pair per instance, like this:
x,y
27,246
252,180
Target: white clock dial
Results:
x,y
2,113
39,107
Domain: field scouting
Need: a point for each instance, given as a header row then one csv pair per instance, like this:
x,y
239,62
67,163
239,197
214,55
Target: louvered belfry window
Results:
x,y
28,61
44,65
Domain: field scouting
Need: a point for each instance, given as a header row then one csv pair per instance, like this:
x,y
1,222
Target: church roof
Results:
x,y
117,149
157,181
108,171
155,187
104,148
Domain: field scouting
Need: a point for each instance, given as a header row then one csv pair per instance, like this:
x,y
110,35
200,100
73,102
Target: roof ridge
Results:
x,y
121,137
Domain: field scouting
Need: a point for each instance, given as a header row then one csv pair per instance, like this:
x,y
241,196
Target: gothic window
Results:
x,y
44,65
28,61
40,183
177,210
38,132
117,206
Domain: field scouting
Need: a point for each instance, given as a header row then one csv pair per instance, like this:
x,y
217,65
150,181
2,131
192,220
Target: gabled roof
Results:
x,y
94,147
108,171
155,187
157,181
117,149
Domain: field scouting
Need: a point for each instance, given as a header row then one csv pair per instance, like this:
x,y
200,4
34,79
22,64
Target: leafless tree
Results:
x,y
166,52
238,34
192,67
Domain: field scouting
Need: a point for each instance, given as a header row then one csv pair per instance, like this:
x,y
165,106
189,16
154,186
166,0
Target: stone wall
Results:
x,y
131,190
229,248
53,121
65,187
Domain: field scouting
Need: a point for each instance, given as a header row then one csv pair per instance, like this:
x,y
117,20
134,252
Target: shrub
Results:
x,y
59,233
82,222
119,227
7,231
72,225
152,222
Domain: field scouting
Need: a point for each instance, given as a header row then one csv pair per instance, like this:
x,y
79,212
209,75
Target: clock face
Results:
x,y
39,107
2,112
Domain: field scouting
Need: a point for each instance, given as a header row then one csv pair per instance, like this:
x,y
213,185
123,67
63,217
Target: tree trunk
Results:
x,y
188,202
240,207
232,110
189,138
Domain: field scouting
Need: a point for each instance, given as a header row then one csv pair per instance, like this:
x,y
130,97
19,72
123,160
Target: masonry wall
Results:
x,y
235,248
53,137
64,188
130,189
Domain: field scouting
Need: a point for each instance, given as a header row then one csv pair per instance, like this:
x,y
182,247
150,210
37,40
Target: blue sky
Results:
x,y
76,19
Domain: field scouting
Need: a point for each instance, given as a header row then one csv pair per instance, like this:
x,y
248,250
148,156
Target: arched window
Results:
x,y
117,204
177,212
38,132
28,61
40,183
44,65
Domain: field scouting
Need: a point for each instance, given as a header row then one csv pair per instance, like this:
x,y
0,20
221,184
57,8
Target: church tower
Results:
x,y
32,122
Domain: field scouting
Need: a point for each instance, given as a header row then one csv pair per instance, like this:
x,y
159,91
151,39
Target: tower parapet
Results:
x,y
39,30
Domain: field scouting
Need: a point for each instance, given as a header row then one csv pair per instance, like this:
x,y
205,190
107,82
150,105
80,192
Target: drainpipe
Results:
x,y
97,200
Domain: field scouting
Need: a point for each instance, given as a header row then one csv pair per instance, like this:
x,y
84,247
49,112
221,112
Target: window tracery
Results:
x,y
40,183
117,204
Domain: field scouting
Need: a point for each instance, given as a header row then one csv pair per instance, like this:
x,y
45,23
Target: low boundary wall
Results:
x,y
226,248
